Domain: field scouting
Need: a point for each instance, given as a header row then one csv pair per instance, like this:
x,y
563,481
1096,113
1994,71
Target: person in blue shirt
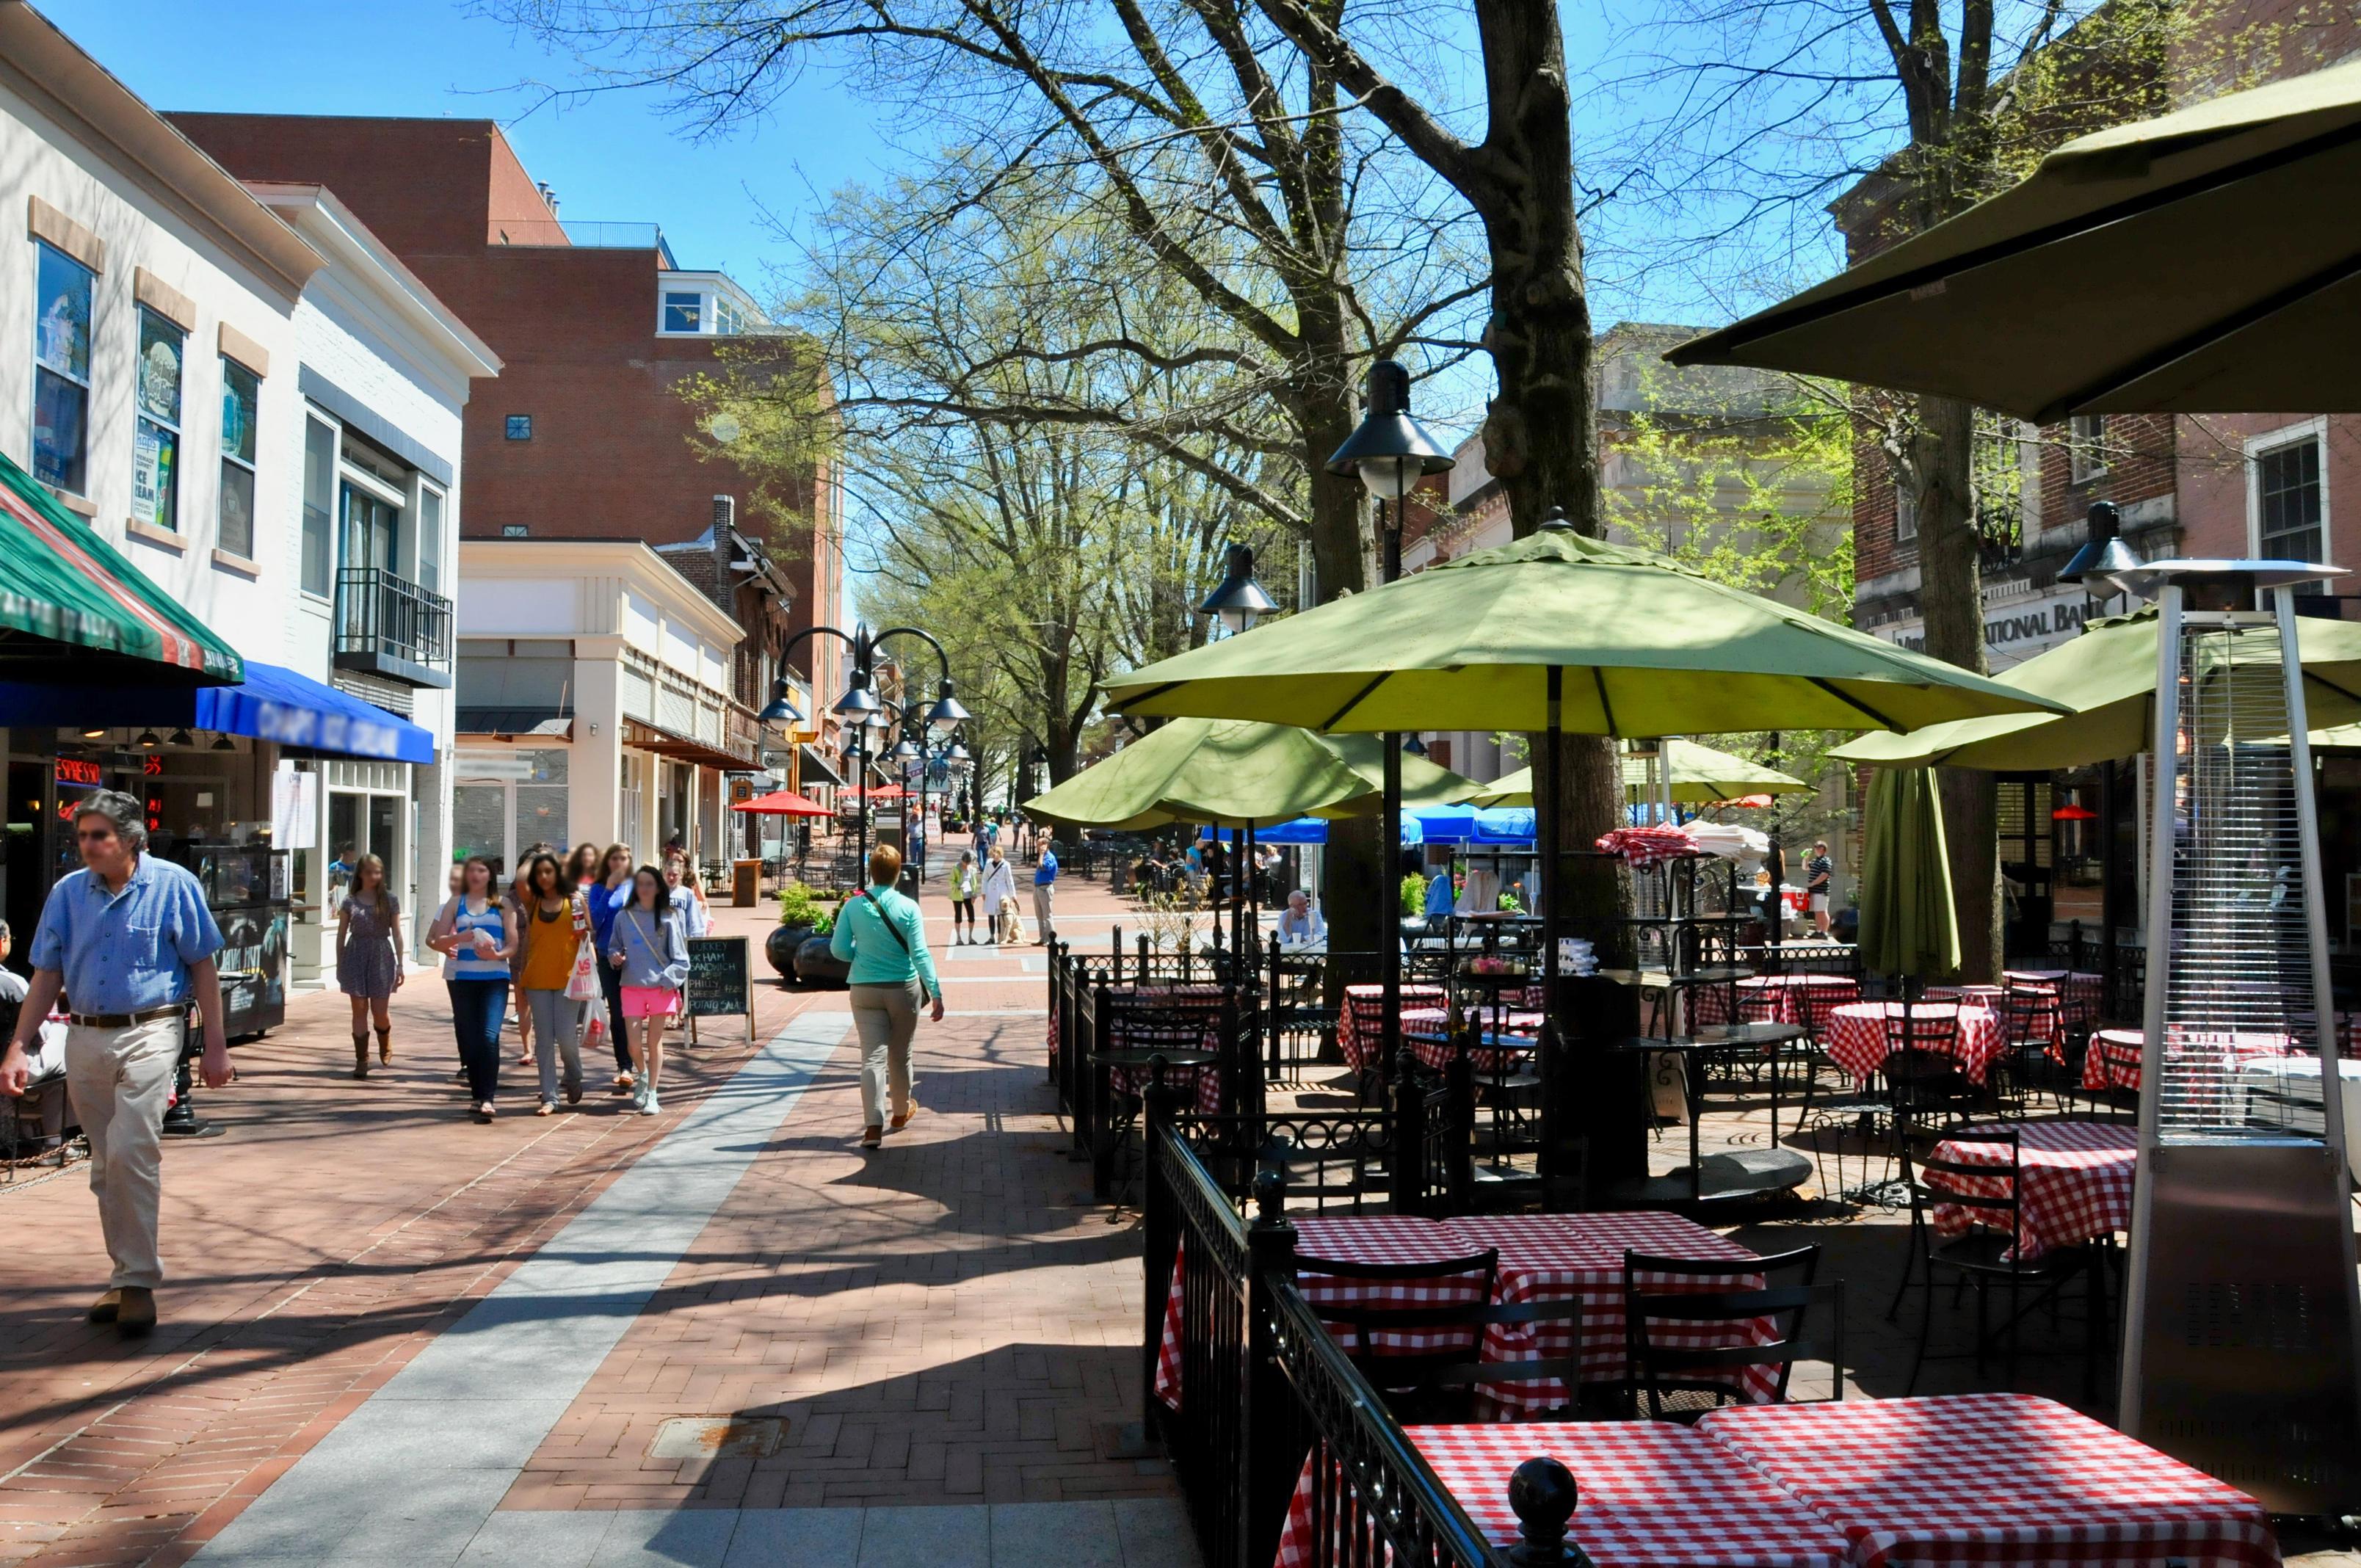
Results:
x,y
879,933
128,940
608,893
1045,890
1439,897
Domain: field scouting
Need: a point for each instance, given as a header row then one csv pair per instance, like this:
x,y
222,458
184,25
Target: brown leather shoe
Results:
x,y
902,1120
137,1314
103,1310
872,1137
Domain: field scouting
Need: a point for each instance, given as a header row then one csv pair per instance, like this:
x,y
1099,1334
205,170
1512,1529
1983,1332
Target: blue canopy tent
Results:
x,y
1302,830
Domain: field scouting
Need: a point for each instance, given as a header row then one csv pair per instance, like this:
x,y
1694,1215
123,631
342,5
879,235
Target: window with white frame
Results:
x,y
241,389
2288,495
430,538
684,312
156,433
1906,510
2086,447
319,505
61,310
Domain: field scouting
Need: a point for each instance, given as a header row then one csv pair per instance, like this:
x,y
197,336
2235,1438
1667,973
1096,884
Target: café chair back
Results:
x,y
1690,1349
1417,1331
1974,1171
1922,1066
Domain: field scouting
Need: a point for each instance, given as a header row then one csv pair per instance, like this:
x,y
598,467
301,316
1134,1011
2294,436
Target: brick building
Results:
x,y
586,435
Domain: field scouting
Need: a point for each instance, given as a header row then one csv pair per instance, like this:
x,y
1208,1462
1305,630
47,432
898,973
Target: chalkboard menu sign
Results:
x,y
719,981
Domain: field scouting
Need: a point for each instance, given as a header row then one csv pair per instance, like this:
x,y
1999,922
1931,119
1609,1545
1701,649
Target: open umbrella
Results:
x,y
2105,680
1634,644
782,803
1906,923
1238,773
2192,263
1699,774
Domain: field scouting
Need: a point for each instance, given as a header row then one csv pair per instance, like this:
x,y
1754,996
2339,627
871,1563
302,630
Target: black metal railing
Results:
x,y
1264,1388
391,622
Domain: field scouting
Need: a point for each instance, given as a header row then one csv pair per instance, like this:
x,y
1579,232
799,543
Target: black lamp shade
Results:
x,y
2103,556
1413,745
859,704
780,710
1388,449
948,713
1239,599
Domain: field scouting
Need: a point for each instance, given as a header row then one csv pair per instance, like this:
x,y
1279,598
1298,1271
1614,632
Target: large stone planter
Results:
x,y
815,965
780,946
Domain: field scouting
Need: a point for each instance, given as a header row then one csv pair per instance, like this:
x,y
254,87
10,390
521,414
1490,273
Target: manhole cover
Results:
x,y
718,1437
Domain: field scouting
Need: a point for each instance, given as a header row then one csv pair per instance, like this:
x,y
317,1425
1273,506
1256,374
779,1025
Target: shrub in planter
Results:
x,y
801,918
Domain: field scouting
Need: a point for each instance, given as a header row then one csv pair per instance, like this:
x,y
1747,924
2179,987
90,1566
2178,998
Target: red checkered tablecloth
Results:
x,y
2074,1182
1551,1258
1349,1238
1180,995
1855,1038
1203,1084
1978,1479
2112,1060
2079,990
1651,1494
1362,1022
1803,999
1423,1032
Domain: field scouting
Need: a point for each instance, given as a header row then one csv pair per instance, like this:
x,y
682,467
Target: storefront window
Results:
x,y
430,540
240,391
541,815
62,369
478,822
156,441
683,313
319,503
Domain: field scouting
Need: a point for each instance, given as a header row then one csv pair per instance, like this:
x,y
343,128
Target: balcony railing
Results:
x,y
389,626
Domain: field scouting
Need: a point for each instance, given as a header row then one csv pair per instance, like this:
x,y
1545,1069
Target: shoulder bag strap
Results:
x,y
891,929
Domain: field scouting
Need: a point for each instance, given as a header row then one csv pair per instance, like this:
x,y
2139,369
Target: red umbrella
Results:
x,y
1753,800
886,791
2070,812
782,803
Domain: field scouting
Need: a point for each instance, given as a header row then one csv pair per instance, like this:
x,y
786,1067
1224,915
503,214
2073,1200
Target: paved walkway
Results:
x,y
390,1334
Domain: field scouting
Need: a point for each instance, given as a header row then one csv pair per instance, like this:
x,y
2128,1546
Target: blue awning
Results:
x,y
271,703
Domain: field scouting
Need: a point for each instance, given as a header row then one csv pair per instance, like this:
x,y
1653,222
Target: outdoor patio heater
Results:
x,y
2242,1341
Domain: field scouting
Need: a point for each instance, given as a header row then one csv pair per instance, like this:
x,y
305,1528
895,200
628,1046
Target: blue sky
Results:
x,y
611,156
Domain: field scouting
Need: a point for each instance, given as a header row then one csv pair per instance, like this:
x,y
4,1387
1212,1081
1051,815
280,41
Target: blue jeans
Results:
x,y
477,1007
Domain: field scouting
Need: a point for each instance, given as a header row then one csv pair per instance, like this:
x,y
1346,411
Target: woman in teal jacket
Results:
x,y
879,933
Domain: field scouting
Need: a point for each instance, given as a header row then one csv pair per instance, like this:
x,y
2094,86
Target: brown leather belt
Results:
x,y
126,1020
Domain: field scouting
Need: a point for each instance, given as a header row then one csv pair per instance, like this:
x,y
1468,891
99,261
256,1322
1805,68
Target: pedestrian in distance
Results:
x,y
999,894
649,952
551,927
880,934
605,896
441,927
368,958
517,894
129,938
965,880
1819,874
1045,892
688,898
481,941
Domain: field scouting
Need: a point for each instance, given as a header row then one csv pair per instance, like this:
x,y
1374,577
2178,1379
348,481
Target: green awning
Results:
x,y
72,609
1699,774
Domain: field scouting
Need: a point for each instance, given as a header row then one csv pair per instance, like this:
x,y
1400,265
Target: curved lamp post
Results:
x,y
1390,452
861,706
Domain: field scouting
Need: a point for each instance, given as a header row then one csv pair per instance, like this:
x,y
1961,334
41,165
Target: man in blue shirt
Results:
x,y
1045,889
1439,896
128,940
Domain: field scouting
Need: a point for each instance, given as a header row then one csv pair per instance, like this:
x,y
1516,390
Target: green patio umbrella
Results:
x,y
2197,263
2105,679
1699,774
1639,646
1906,923
1238,774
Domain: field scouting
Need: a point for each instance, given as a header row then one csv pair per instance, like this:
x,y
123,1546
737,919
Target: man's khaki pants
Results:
x,y
887,1019
120,1081
1044,894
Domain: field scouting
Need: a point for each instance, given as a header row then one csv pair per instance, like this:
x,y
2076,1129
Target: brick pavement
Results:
x,y
944,1321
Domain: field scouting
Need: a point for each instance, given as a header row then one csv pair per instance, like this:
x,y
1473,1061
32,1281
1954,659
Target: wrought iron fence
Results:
x,y
381,614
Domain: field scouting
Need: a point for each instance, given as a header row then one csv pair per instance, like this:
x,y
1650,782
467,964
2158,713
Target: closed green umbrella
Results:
x,y
2105,679
1240,774
1699,774
2202,262
1639,645
1906,923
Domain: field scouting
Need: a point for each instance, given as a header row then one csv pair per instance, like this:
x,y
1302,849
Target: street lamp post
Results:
x,y
861,706
1390,452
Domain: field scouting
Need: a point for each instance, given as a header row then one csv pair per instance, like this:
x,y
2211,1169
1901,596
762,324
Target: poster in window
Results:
x,y
61,332
159,370
153,453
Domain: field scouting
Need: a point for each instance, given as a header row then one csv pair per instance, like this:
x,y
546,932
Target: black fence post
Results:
x,y
1542,1494
1266,1474
1271,1069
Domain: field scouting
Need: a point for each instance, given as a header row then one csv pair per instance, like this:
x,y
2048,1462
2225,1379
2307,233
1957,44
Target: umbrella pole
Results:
x,y
1391,912
1551,792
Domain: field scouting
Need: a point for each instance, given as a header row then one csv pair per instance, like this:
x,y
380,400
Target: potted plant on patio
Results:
x,y
801,918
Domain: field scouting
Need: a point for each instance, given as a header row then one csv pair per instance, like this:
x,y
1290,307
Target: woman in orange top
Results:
x,y
551,921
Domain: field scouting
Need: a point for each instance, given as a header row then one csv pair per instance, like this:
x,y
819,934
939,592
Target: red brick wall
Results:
x,y
422,186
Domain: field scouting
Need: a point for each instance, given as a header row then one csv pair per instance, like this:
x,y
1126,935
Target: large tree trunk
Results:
x,y
1950,597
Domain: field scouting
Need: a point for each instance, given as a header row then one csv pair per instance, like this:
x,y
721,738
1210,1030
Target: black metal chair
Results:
x,y
1425,1355
1923,1076
1984,1257
1698,1346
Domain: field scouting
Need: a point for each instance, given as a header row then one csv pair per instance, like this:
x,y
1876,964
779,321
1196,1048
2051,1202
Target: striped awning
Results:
x,y
71,607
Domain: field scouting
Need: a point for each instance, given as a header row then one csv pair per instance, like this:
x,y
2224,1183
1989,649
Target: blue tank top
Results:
x,y
464,965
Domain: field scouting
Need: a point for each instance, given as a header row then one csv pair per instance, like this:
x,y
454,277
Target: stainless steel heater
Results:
x,y
2241,1344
